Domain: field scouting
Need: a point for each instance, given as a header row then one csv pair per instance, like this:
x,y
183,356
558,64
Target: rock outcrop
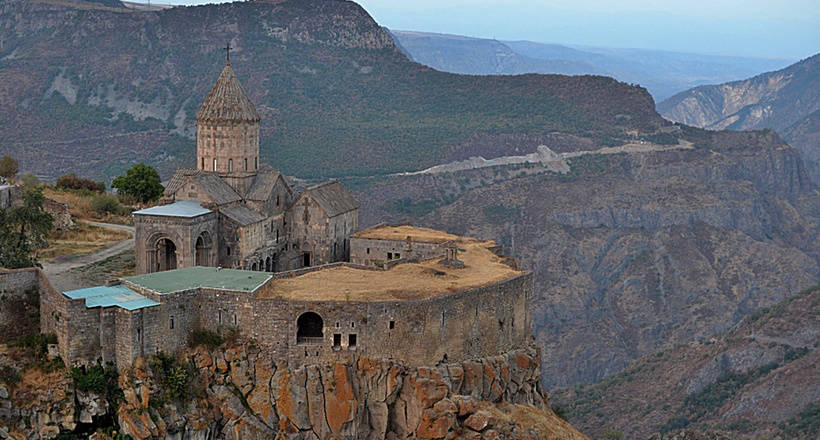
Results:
x,y
244,395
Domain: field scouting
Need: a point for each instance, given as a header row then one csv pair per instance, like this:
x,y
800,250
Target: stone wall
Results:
x,y
18,299
230,143
183,232
8,195
371,251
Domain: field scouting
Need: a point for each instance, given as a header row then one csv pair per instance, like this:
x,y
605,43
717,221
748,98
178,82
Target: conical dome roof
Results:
x,y
227,101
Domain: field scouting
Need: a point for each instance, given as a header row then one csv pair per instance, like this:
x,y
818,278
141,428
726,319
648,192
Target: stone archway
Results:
x,y
202,249
309,329
268,265
166,255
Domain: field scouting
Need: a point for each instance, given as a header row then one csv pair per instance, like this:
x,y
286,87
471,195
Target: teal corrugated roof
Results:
x,y
184,208
111,296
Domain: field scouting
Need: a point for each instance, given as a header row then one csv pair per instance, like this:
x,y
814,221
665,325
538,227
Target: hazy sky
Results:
x,y
763,28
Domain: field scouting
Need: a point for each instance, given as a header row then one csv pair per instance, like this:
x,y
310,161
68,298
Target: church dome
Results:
x,y
227,101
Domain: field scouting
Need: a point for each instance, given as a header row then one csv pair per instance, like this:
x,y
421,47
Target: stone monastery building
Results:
x,y
235,248
231,212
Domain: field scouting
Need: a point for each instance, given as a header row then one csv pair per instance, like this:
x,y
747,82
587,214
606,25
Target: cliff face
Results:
x,y
633,251
237,393
759,380
786,100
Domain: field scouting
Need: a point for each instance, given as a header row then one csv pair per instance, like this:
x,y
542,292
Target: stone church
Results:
x,y
234,212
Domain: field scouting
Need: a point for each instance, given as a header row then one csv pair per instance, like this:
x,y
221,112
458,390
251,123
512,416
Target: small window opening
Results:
x,y
229,251
352,325
219,316
389,255
214,164
351,340
277,200
139,334
255,163
337,324
398,256
234,320
172,322
230,165
202,167
392,324
246,164
368,251
337,340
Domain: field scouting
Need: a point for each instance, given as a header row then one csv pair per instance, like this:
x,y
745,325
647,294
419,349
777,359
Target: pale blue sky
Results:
x,y
762,28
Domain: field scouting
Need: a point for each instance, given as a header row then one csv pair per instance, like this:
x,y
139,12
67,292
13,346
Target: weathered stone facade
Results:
x,y
247,214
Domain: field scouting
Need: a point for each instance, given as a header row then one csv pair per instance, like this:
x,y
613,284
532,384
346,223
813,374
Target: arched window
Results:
x,y
309,329
214,164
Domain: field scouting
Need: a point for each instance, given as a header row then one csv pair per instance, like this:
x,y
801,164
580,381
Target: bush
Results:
x,y
9,375
72,182
204,338
674,424
8,166
38,343
106,204
177,378
560,412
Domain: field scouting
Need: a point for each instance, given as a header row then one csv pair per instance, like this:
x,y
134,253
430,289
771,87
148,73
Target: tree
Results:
x,y
8,167
22,229
140,182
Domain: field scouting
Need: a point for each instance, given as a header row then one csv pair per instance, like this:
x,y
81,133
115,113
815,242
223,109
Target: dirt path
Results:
x,y
55,268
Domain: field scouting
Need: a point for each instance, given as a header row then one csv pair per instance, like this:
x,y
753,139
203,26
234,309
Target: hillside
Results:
x,y
90,90
758,380
662,73
786,100
631,251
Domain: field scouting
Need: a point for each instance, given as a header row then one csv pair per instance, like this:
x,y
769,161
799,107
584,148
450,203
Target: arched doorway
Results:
x,y
253,266
310,329
203,248
268,267
166,255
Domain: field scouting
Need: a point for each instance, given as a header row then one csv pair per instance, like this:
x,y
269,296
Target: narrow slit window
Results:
x,y
352,325
214,164
172,322
234,320
246,164
392,324
230,165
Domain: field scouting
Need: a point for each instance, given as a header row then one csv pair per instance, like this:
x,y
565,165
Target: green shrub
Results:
x,y
204,338
614,435
807,422
95,379
38,344
106,204
560,412
674,423
177,378
9,375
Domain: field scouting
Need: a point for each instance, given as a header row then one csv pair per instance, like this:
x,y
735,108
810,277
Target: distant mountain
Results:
x,y
758,380
787,100
92,90
476,56
662,73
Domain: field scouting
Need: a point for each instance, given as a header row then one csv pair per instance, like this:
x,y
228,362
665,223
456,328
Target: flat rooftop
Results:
x,y
407,281
184,208
196,277
402,232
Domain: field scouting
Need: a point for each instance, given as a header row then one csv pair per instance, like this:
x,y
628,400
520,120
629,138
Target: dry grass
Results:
x,y
80,206
421,235
84,239
541,421
407,281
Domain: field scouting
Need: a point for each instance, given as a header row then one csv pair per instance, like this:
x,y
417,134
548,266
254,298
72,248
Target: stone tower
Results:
x,y
227,128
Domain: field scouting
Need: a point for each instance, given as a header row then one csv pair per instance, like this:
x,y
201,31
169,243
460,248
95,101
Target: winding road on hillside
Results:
x,y
55,269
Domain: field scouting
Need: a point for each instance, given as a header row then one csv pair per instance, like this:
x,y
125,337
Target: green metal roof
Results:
x,y
111,296
207,277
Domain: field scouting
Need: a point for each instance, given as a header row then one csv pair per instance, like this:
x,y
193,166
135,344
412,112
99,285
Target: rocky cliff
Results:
x,y
237,393
758,380
631,252
786,100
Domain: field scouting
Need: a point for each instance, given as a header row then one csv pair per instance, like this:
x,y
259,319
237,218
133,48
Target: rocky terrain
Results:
x,y
786,100
233,392
91,90
759,379
632,252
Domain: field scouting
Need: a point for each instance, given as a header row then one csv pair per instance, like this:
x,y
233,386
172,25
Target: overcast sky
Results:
x,y
762,28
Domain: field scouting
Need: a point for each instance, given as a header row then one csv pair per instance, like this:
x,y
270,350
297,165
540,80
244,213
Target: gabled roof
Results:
x,y
183,208
242,215
211,183
332,197
227,101
263,184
